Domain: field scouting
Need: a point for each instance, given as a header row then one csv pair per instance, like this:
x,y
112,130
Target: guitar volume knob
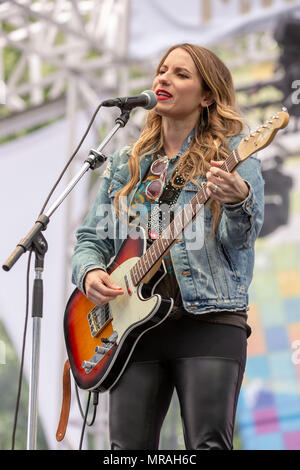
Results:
x,y
87,364
100,350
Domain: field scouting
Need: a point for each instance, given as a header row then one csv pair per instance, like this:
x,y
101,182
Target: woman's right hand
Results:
x,y
100,288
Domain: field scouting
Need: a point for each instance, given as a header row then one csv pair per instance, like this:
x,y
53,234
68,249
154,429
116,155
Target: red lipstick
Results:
x,y
163,95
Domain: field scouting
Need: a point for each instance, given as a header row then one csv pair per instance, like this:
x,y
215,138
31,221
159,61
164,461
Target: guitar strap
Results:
x,y
171,192
168,197
66,402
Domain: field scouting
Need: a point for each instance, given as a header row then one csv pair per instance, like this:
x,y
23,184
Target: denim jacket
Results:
x,y
214,271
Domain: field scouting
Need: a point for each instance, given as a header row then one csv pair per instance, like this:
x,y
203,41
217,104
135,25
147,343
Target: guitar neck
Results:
x,y
162,245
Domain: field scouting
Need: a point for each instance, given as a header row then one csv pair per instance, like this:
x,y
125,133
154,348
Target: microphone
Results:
x,y
147,99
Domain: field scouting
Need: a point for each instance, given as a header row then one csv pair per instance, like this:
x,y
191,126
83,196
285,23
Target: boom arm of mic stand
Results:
x,y
93,161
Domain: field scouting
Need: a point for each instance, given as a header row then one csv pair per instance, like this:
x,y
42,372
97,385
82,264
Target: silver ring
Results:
x,y
215,188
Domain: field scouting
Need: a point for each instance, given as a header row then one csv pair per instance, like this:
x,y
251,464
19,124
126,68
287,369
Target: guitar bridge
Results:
x,y
98,318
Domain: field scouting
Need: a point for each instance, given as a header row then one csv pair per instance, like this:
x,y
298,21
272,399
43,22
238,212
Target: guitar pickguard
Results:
x,y
131,307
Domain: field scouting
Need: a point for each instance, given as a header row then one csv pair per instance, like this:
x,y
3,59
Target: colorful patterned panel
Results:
x,y
268,414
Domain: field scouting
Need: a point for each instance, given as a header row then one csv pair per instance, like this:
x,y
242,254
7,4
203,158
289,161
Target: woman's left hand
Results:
x,y
227,188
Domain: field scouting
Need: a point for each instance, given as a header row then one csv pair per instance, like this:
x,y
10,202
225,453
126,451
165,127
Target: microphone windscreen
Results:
x,y
152,98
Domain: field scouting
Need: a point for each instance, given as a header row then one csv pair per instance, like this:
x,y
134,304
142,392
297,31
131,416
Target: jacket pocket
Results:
x,y
230,263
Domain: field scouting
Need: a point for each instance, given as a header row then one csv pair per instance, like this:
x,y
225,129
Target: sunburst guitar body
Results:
x,y
100,340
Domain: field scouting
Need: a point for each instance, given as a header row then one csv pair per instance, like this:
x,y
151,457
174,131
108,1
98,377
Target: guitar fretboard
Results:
x,y
161,246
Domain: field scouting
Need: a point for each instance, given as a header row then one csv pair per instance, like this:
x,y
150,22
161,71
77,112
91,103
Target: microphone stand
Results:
x,y
36,242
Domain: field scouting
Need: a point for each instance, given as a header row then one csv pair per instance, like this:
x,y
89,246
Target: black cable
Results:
x,y
84,422
27,276
71,158
78,401
23,353
95,403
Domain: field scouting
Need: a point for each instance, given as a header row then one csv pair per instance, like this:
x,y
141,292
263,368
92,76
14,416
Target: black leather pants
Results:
x,y
207,386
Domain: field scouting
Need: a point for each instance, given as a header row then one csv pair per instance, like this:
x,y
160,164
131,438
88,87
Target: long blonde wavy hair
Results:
x,y
217,122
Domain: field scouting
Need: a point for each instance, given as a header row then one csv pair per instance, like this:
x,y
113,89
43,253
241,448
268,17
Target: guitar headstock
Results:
x,y
263,135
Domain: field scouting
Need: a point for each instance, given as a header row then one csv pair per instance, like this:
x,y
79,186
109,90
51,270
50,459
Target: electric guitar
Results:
x,y
100,340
